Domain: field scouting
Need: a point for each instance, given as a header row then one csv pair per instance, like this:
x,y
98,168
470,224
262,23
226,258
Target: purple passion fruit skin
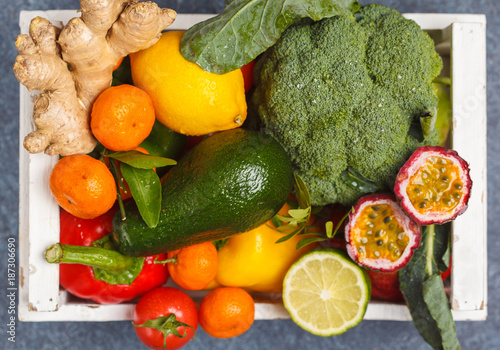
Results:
x,y
379,234
434,185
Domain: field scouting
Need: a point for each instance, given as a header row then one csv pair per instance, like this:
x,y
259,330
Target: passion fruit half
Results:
x,y
434,185
379,234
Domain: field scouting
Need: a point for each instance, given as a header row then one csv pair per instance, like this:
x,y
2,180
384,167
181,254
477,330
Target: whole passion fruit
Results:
x,y
434,185
379,234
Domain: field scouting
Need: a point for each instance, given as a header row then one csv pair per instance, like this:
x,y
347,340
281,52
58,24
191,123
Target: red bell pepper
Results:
x,y
86,257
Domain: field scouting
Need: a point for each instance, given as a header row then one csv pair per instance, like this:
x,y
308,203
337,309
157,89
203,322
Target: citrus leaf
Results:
x,y
145,188
246,28
140,160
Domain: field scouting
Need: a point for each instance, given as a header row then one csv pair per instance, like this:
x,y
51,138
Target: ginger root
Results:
x,y
72,66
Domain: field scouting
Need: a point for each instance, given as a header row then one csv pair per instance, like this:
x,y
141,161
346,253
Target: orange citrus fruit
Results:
x,y
83,186
195,266
122,117
117,65
226,312
186,98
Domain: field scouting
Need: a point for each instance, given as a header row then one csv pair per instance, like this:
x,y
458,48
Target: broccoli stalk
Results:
x,y
345,95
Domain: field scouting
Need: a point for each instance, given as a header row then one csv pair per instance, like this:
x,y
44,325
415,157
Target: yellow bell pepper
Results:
x,y
252,260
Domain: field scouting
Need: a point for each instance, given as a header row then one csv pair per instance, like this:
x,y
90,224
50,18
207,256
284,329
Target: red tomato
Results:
x,y
385,285
155,307
447,273
247,71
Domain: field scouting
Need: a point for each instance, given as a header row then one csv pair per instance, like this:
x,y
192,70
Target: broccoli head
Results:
x,y
344,96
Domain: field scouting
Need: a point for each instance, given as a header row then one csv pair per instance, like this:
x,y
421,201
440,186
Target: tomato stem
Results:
x,y
167,325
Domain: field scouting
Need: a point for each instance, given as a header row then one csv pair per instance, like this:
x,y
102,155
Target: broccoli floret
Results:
x,y
345,95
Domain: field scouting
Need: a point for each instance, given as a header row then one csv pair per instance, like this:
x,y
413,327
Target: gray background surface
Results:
x,y
283,334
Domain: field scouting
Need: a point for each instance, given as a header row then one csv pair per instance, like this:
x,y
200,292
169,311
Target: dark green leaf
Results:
x,y
220,243
412,279
437,304
276,222
292,204
123,75
145,188
305,241
140,160
288,236
444,263
246,28
358,181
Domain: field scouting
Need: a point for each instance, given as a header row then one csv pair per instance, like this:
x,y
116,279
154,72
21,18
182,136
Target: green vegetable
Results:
x,y
246,28
164,142
345,97
145,188
140,160
144,183
443,118
422,286
231,182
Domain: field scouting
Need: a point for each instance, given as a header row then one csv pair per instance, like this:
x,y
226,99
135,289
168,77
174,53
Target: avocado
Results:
x,y
230,183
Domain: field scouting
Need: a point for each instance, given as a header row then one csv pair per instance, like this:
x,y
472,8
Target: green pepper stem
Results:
x,y
90,256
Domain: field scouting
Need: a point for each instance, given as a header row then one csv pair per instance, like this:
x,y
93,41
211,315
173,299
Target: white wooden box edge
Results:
x,y
41,300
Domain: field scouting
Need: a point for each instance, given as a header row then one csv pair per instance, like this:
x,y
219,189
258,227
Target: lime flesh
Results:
x,y
326,293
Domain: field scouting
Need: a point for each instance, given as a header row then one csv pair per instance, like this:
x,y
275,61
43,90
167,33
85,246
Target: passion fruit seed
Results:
x,y
389,239
433,186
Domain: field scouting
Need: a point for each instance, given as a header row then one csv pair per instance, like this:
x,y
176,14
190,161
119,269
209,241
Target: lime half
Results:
x,y
325,292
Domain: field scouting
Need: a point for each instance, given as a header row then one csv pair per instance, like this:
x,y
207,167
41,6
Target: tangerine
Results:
x,y
122,117
195,266
118,64
227,312
188,99
83,186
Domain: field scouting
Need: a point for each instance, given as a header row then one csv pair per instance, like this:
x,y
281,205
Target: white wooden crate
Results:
x,y
460,39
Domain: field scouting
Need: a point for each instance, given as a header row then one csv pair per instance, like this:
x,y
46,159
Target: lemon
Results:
x,y
325,292
186,98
